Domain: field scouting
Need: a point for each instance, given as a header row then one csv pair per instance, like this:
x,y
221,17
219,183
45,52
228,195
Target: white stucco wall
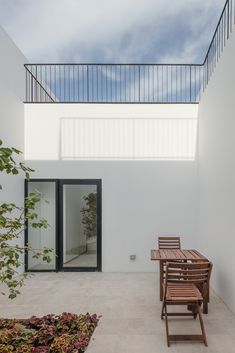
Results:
x,y
43,121
216,233
140,199
12,90
12,72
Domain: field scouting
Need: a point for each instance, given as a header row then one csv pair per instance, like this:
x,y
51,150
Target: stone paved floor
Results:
x,y
130,309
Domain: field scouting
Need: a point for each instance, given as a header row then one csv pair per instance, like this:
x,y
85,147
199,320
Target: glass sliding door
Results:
x,y
80,238
38,238
72,209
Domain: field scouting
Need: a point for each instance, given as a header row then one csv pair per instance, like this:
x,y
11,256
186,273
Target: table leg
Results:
x,y
161,266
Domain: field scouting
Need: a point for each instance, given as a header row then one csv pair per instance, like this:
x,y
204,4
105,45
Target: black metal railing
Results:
x,y
221,35
117,83
129,83
38,89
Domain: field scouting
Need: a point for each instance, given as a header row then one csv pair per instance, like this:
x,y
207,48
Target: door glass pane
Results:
x,y
80,226
40,238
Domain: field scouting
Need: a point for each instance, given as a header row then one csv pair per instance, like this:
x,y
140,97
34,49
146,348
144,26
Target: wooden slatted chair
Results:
x,y
166,243
169,243
181,288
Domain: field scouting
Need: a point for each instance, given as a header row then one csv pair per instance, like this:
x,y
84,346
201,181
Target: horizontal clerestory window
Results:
x,y
128,138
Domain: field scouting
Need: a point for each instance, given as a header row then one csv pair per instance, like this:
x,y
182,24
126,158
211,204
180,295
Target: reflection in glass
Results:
x,y
79,225
40,238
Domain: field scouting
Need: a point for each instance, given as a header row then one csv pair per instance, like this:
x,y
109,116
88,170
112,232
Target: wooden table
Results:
x,y
164,255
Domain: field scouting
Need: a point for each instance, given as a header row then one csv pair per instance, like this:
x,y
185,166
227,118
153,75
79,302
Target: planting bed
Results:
x,y
65,333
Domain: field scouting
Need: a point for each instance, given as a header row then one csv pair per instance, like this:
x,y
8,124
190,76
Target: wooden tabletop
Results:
x,y
176,254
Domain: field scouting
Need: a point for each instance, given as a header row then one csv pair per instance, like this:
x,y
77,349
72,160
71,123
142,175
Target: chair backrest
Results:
x,y
169,243
198,273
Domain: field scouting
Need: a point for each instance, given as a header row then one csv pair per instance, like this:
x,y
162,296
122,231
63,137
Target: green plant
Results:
x,y
12,224
65,333
89,215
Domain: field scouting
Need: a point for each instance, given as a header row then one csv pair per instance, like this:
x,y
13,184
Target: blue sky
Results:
x,y
161,31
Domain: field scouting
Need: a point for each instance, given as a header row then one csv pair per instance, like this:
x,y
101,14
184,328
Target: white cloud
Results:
x,y
111,30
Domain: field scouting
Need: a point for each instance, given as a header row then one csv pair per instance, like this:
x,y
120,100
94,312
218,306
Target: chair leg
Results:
x,y
193,308
194,311
161,265
167,327
162,312
202,324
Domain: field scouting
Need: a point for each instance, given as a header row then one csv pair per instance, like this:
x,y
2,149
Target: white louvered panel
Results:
x,y
126,138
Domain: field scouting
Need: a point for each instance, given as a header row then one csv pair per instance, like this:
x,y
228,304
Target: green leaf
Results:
x,y
15,150
14,171
12,224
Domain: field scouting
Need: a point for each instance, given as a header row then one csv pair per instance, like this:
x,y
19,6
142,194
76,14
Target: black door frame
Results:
x,y
96,182
59,224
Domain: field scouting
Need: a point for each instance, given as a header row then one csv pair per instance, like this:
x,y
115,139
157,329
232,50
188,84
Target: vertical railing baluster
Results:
x,y
139,82
157,84
176,83
171,85
83,84
69,82
111,83
101,82
153,74
97,84
87,82
73,83
64,82
77,82
116,83
129,82
106,83
120,85
26,86
36,83
31,85
167,83
60,84
144,96
50,79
